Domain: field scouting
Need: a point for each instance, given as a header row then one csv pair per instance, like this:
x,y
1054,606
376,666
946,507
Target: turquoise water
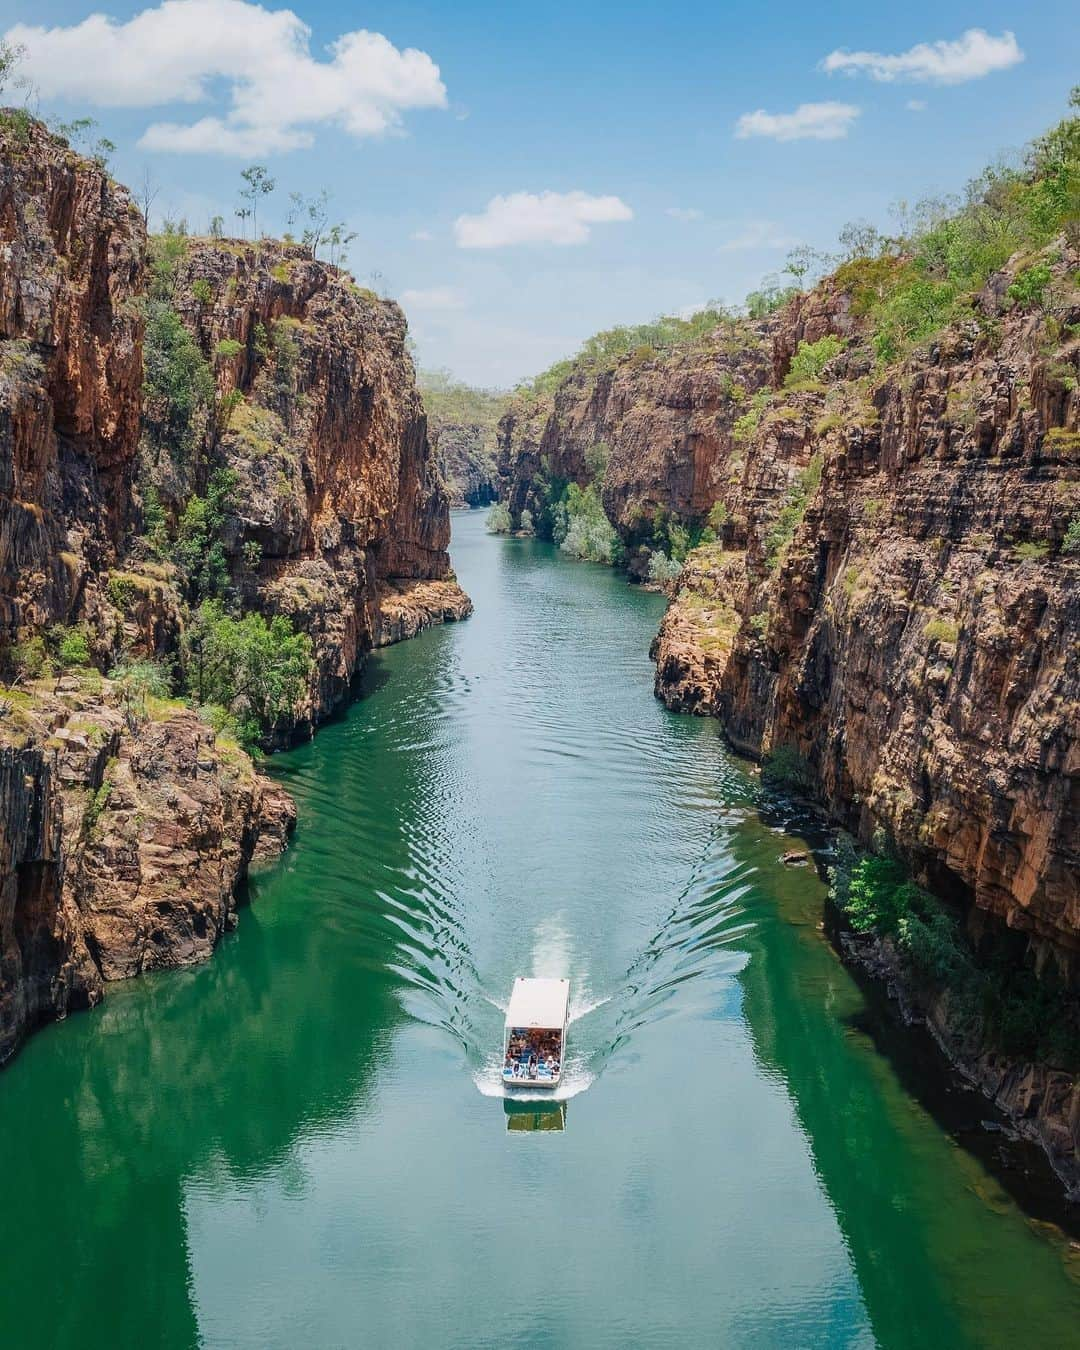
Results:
x,y
305,1142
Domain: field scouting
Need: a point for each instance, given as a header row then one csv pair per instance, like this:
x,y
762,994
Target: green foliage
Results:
x,y
745,425
526,524
662,568
29,659
717,517
994,991
228,349
596,461
177,382
96,803
202,291
450,403
1071,542
1030,286
941,630
69,645
255,668
498,519
154,527
199,549
785,768
286,353
582,528
1031,550
792,512
811,358
140,679
770,297
603,350
252,554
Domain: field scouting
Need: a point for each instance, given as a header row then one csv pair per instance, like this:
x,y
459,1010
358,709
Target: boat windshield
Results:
x,y
533,1054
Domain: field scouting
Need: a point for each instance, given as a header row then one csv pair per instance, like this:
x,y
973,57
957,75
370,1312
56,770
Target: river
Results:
x,y
304,1143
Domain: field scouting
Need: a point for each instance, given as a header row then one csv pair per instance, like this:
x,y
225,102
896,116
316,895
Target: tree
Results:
x,y
243,212
317,212
254,668
146,194
217,227
10,55
200,550
259,184
339,239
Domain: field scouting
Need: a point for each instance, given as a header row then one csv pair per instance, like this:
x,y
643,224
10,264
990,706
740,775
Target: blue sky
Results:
x,y
632,104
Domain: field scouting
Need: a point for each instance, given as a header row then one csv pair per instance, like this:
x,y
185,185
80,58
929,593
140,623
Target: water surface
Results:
x,y
306,1142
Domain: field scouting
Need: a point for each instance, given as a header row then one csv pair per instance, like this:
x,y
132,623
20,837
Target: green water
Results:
x,y
304,1143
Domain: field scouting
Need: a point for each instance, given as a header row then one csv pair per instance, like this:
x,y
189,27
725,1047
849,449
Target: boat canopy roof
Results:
x,y
538,1003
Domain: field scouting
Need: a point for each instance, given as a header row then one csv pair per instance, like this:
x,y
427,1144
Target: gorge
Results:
x,y
849,515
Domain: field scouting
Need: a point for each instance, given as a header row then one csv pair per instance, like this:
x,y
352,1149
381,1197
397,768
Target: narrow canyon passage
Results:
x,y
305,1142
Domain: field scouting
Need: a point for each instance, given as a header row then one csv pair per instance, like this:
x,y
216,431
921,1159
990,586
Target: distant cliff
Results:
x,y
463,421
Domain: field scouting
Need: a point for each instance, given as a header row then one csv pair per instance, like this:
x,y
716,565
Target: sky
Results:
x,y
521,176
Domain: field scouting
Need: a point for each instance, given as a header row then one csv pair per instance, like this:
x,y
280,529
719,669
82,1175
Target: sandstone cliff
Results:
x,y
125,831
71,270
129,377
891,607
317,415
889,596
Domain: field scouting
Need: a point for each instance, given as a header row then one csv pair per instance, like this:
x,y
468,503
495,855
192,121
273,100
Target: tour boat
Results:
x,y
535,1032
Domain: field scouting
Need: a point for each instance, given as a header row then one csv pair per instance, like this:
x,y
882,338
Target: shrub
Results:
x,y
202,291
1071,542
227,349
29,659
588,533
784,767
139,679
792,512
526,523
1031,550
717,517
941,630
176,380
1030,286
255,668
498,519
811,358
70,646
199,547
662,568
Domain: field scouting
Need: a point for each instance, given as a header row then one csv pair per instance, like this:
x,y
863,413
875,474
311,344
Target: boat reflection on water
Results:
x,y
533,1116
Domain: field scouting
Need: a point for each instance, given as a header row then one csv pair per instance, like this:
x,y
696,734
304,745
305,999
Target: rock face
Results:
x,y
126,824
662,422
889,596
71,269
337,486
466,464
123,839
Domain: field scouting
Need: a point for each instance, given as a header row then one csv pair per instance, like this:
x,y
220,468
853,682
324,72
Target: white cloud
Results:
x,y
277,91
916,105
809,122
684,213
424,236
538,218
435,298
970,57
759,234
